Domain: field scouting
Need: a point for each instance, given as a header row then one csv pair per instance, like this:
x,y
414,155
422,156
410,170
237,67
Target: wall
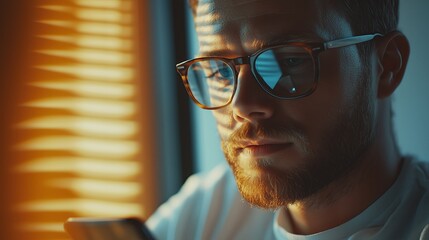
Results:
x,y
411,98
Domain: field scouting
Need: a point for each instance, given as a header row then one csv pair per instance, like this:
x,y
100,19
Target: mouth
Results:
x,y
264,149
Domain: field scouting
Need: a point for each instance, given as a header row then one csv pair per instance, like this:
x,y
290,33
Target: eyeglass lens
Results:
x,y
284,72
211,82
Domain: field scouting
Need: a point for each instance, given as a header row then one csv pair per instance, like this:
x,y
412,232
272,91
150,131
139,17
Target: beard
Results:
x,y
331,161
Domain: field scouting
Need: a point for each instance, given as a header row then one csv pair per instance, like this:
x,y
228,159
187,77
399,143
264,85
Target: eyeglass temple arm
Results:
x,y
350,41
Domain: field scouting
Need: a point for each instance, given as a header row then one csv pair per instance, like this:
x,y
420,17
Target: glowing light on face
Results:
x,y
223,118
203,9
207,43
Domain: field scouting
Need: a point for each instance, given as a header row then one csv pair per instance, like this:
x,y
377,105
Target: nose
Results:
x,y
251,103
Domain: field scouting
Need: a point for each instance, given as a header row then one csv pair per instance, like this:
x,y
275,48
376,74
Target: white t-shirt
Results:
x,y
209,206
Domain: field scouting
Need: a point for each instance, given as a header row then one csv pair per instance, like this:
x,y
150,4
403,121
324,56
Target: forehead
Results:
x,y
230,10
244,26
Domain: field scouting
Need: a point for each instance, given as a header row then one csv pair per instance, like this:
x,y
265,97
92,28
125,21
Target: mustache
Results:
x,y
265,131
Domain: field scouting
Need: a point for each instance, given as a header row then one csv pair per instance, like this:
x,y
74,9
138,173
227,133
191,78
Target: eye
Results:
x,y
222,73
292,61
225,72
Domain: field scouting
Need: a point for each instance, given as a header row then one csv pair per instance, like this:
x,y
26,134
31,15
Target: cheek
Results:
x,y
340,73
225,122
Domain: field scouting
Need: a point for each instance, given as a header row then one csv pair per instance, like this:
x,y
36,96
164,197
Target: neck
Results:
x,y
379,168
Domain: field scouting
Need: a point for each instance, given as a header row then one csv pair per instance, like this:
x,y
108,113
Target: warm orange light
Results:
x,y
91,41
93,71
109,4
80,148
88,107
85,126
103,15
100,189
110,29
83,207
83,146
57,227
91,88
92,56
86,167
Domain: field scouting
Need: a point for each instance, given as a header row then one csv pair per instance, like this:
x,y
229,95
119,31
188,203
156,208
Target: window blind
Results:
x,y
84,131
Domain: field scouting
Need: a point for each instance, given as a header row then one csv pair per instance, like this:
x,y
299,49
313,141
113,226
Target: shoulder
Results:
x,y
194,191
219,177
417,196
208,206
422,168
419,171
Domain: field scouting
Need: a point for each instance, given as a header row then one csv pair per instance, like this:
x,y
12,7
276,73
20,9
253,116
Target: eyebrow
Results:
x,y
290,38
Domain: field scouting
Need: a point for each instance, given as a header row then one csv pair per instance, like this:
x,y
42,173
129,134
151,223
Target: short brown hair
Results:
x,y
370,16
365,16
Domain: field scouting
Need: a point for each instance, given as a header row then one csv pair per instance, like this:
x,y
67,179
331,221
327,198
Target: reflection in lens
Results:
x,y
211,82
287,83
268,67
197,84
286,71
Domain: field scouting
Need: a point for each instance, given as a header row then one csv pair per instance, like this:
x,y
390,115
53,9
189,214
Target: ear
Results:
x,y
393,51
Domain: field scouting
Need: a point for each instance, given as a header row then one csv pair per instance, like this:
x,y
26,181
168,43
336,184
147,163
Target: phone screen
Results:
x,y
107,229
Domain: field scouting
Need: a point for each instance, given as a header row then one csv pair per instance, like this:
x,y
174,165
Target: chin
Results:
x,y
267,184
263,186
262,193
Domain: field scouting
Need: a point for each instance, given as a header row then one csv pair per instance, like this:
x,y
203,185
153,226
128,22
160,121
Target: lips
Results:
x,y
264,148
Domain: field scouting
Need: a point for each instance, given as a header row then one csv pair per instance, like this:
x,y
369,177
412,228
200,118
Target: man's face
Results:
x,y
283,151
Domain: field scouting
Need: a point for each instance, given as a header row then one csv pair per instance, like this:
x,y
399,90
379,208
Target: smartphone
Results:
x,y
107,229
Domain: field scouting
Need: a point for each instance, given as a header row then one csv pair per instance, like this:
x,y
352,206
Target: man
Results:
x,y
301,91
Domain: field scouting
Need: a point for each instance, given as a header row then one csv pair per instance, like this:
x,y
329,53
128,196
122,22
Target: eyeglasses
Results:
x,y
287,71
